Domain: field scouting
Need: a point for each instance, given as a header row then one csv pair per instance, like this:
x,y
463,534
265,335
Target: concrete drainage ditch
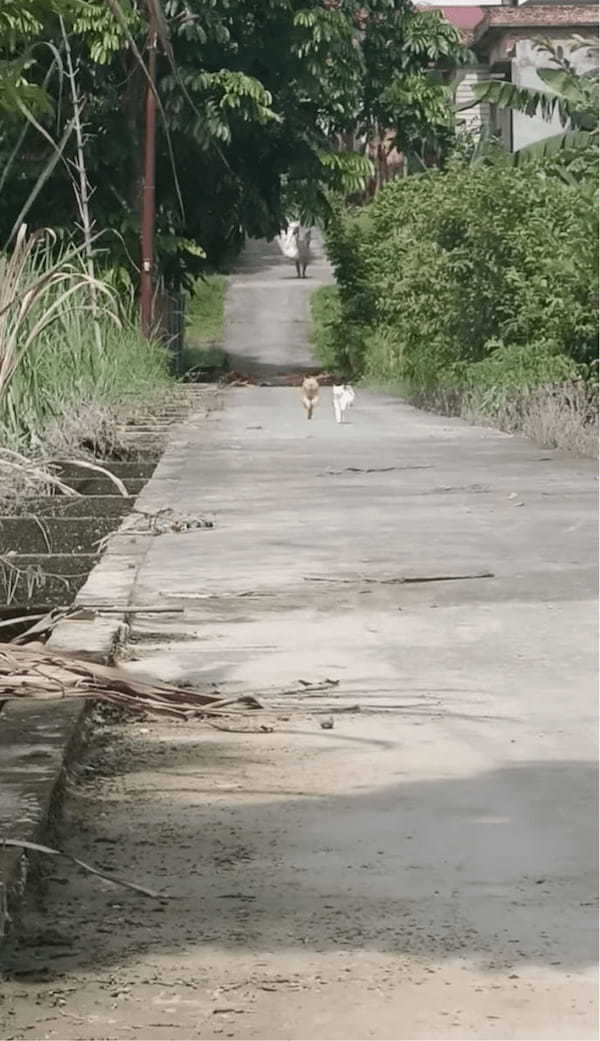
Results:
x,y
50,543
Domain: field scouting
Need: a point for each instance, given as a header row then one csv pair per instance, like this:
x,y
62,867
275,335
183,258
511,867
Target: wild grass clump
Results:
x,y
563,416
67,344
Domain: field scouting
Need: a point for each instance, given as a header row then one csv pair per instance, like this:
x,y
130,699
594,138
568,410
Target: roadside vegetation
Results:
x,y
265,112
73,364
205,322
66,341
473,290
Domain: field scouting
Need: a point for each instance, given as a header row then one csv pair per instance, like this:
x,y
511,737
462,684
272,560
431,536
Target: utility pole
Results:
x,y
149,188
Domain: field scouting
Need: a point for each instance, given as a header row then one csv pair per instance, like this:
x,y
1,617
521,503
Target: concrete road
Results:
x,y
268,314
424,868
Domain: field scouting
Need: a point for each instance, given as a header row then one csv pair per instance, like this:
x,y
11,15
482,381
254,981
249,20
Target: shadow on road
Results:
x,y
498,868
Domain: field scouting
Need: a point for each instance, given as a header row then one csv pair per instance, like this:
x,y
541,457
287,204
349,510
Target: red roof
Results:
x,y
462,17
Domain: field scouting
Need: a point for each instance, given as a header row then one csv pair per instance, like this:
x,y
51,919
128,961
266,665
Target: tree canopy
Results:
x,y
254,99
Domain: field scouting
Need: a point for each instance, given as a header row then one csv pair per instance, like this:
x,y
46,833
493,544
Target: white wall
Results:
x,y
478,117
527,59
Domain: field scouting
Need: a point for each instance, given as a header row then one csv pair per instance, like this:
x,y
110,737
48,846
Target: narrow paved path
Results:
x,y
426,867
268,312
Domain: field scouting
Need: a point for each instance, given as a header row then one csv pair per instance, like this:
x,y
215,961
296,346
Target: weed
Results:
x,y
205,324
56,358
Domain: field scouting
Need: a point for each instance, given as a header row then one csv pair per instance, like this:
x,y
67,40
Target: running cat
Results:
x,y
310,395
343,397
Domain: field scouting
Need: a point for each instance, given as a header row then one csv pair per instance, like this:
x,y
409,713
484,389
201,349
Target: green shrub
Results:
x,y
326,313
475,275
516,365
349,249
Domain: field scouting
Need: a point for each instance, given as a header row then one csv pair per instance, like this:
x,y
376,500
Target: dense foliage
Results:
x,y
479,275
254,100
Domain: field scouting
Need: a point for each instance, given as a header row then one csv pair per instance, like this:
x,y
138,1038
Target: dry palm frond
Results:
x,y
34,672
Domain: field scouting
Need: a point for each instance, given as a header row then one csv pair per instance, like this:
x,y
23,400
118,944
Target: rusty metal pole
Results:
x,y
149,189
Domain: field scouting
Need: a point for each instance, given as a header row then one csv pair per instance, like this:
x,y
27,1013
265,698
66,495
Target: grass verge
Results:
x,y
205,323
74,367
561,414
556,415
67,343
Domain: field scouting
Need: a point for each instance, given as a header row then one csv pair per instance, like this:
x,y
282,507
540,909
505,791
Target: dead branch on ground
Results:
x,y
36,672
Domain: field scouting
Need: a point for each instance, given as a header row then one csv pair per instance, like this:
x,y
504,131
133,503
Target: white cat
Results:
x,y
343,397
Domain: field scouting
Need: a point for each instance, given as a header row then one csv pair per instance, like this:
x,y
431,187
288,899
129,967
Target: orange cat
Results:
x,y
310,395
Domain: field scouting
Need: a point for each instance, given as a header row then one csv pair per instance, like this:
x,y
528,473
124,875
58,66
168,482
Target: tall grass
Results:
x,y
205,322
63,372
56,357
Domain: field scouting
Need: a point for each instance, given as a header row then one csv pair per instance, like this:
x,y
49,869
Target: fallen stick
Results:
x,y
36,848
88,614
374,469
264,729
403,580
248,699
338,709
433,578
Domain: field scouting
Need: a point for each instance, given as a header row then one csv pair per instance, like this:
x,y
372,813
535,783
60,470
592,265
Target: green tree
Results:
x,y
254,95
448,270
23,23
407,51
